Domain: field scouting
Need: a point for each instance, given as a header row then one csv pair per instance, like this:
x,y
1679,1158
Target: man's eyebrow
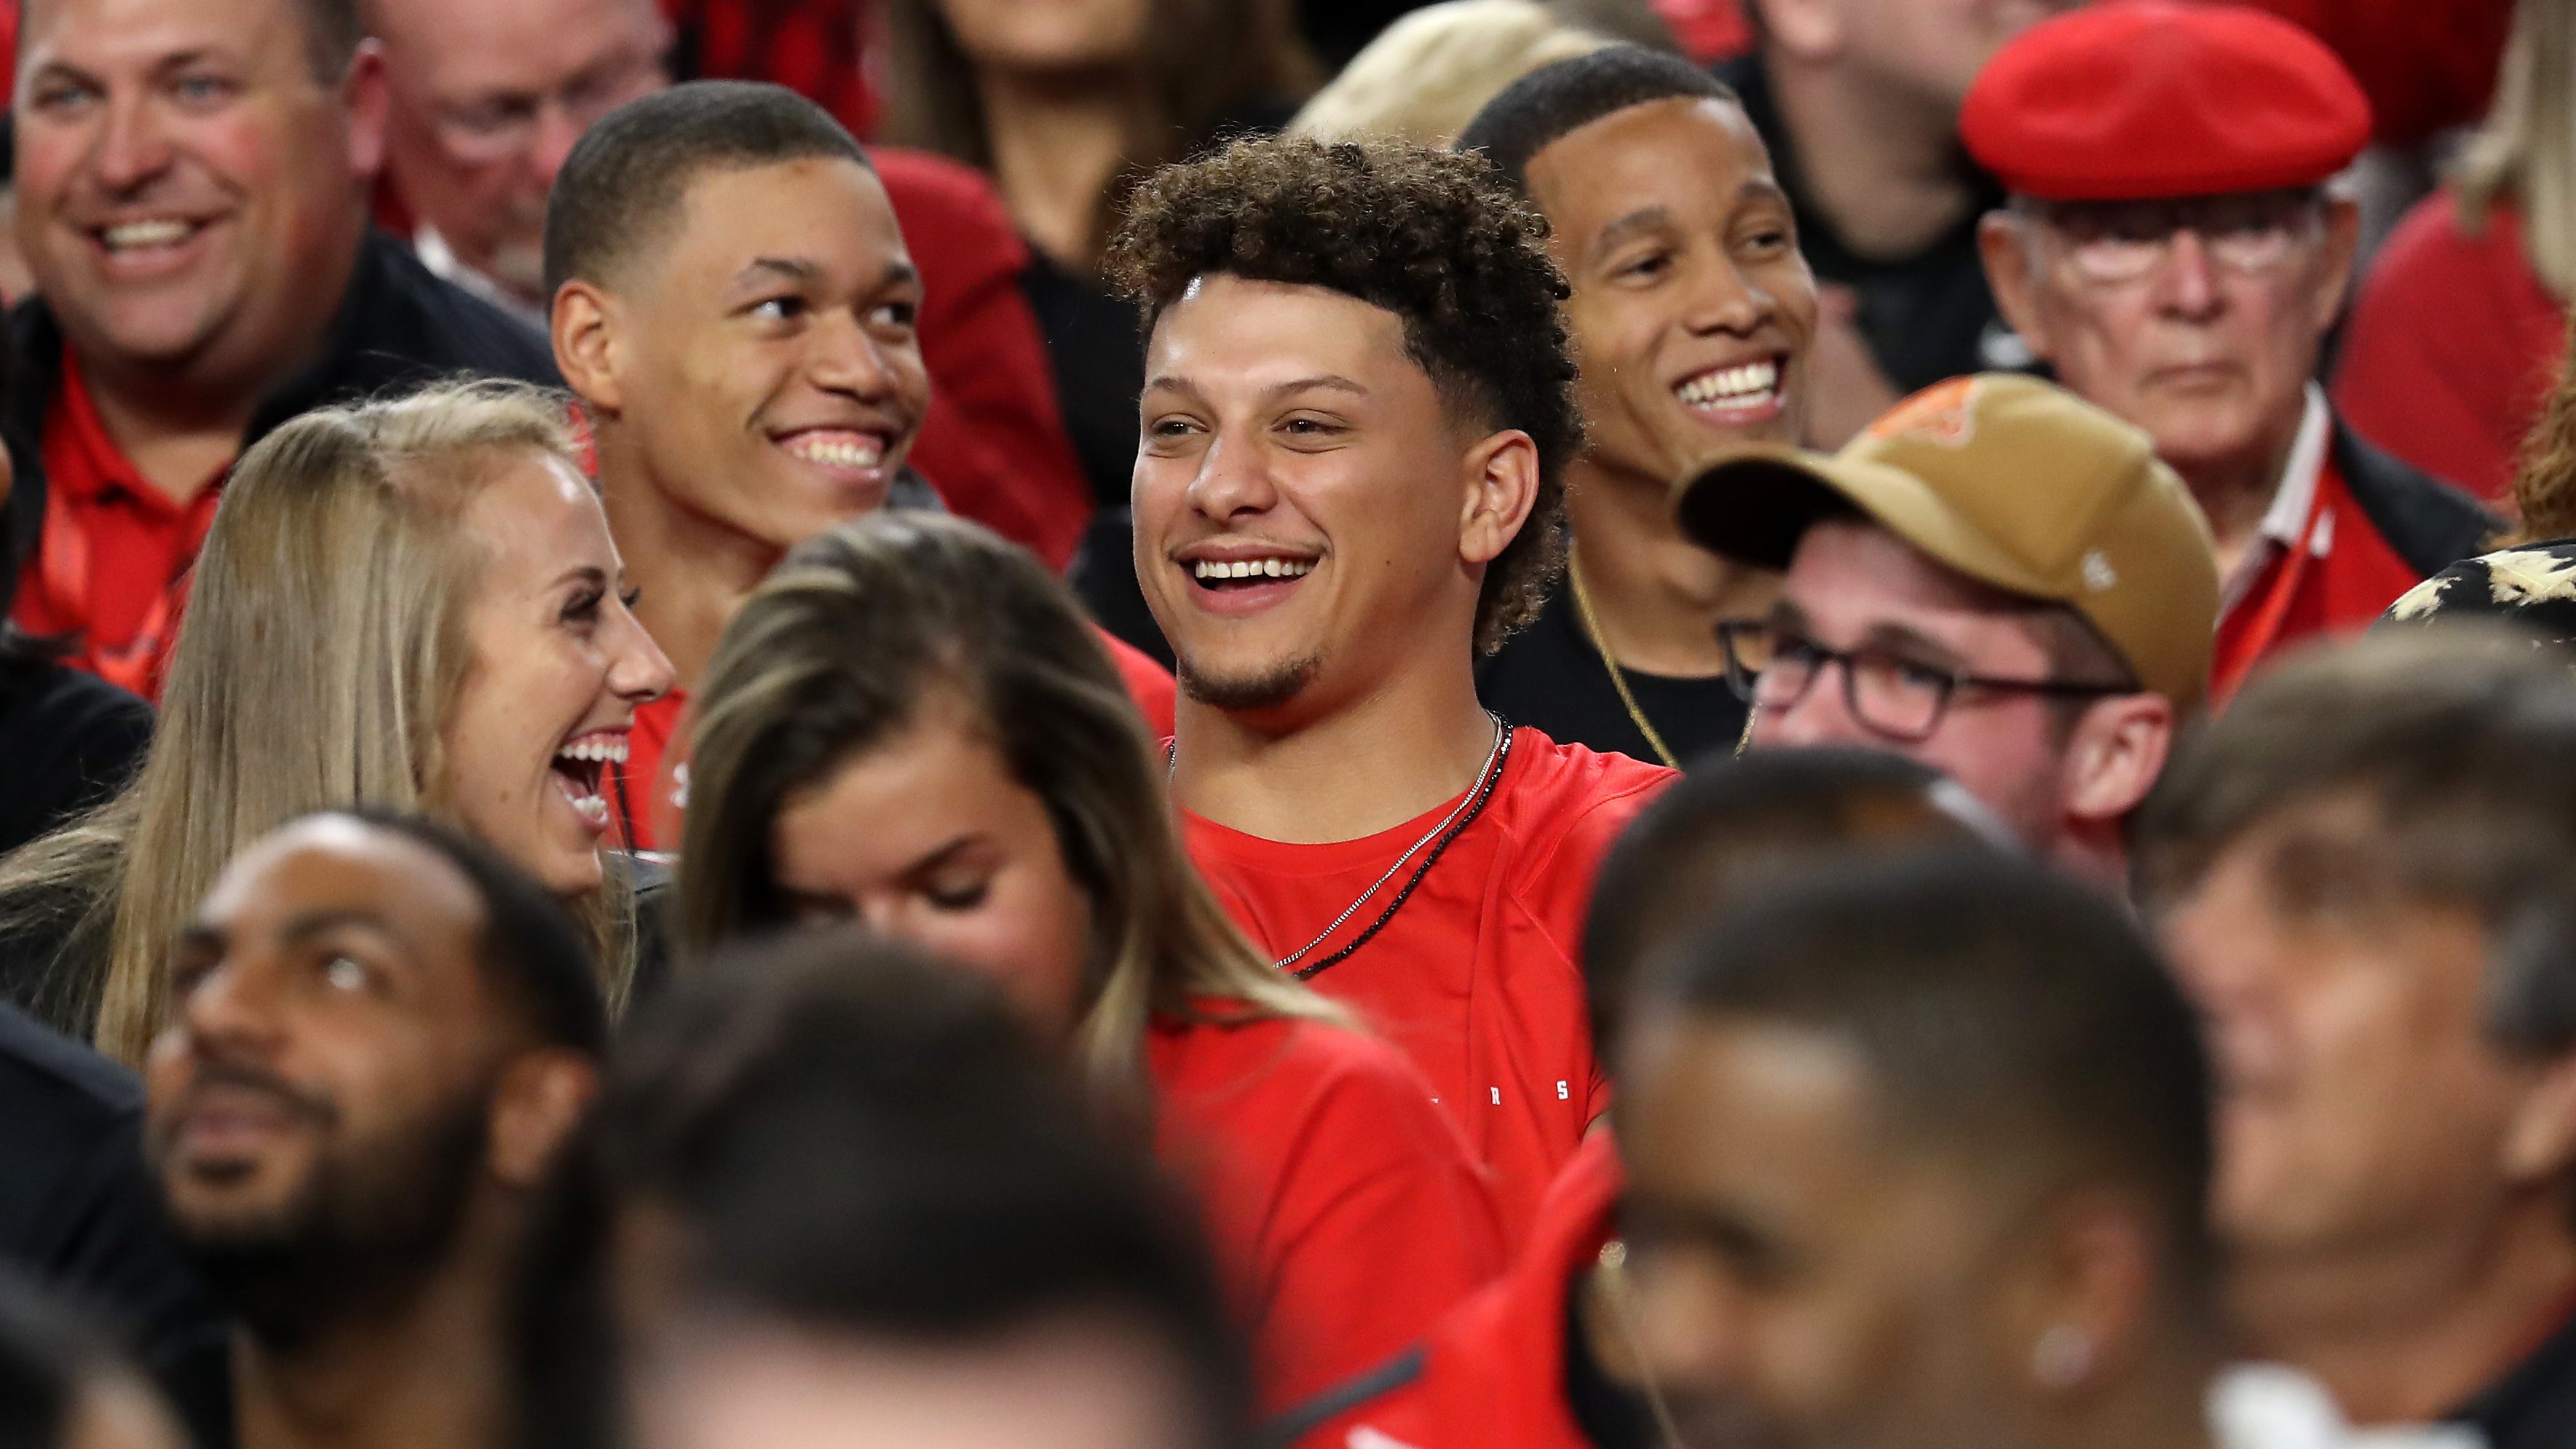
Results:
x,y
1331,381
305,925
1908,640
793,269
1644,218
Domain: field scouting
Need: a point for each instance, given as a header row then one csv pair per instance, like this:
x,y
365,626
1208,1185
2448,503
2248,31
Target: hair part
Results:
x,y
332,594
2010,1022
1430,236
851,639
1550,103
621,190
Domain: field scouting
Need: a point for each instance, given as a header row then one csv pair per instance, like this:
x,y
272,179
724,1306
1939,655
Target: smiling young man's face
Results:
x,y
1692,309
1304,497
759,362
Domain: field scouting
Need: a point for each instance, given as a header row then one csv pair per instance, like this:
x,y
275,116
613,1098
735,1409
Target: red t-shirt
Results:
x,y
111,570
1493,1373
2303,593
2452,346
1477,977
650,793
1341,1203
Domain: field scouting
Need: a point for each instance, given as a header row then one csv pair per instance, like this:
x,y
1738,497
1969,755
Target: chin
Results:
x,y
1246,689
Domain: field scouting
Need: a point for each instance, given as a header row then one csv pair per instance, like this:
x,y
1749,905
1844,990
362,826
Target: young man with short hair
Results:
x,y
191,182
380,1036
1358,411
1692,314
734,303
2362,869
1995,578
2173,252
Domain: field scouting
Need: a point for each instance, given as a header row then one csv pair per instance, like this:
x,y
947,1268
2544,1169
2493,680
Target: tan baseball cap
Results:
x,y
2011,481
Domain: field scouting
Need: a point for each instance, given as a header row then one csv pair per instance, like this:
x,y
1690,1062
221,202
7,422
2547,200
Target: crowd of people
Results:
x,y
1185,724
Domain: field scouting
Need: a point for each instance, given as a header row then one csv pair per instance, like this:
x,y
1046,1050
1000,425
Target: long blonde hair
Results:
x,y
842,648
2526,151
1427,75
321,658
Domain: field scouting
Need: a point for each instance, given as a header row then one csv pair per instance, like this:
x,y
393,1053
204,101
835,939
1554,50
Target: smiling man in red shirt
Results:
x,y
1357,415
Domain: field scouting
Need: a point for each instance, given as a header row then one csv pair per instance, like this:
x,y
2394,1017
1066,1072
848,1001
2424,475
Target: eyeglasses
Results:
x,y
1903,699
2122,241
499,127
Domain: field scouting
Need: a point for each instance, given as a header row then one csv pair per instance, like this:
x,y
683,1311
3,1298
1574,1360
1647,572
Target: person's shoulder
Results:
x,y
2428,523
1223,1046
1568,785
58,699
48,1077
451,329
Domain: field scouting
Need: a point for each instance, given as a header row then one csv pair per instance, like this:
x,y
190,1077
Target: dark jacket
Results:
x,y
2428,523
396,326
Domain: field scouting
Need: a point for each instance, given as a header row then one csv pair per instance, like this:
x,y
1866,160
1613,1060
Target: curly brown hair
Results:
x,y
1434,237
2544,479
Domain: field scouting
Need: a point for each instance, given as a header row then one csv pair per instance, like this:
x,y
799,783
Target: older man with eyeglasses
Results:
x,y
1997,579
2173,251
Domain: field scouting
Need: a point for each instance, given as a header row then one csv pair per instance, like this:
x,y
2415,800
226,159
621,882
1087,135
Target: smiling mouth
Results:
x,y
1734,395
578,767
155,234
1220,574
848,449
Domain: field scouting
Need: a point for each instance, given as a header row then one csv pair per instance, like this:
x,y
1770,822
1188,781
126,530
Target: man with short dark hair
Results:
x,y
1357,415
1692,316
1919,1154
2172,251
379,1036
835,1197
1542,1358
2366,869
1995,578
735,304
192,180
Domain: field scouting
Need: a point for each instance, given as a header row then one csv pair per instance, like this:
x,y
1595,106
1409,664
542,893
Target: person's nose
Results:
x,y
232,1010
557,130
1724,301
133,147
2186,279
1690,1324
849,359
1821,716
1233,479
638,671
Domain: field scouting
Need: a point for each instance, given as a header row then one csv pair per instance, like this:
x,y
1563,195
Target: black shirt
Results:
x,y
2534,1406
1549,677
78,1211
1927,316
68,740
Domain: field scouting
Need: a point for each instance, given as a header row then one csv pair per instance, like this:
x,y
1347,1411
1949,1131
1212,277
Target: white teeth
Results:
x,y
832,452
146,234
612,749
1749,381
592,809
1267,568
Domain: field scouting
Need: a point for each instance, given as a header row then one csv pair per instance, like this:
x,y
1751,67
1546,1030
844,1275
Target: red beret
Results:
x,y
2137,100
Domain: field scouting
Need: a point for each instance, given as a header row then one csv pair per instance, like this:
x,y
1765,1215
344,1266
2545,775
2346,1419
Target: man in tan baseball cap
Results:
x,y
1995,578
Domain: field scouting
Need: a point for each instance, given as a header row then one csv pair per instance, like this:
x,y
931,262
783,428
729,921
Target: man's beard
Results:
x,y
358,1236
1268,689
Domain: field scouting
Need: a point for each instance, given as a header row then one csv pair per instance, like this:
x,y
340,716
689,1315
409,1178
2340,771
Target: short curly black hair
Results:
x,y
1433,237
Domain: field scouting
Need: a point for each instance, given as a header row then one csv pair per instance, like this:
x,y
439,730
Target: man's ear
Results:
x,y
1502,489
2004,244
2540,1138
538,1101
2073,1305
368,97
588,344
2114,753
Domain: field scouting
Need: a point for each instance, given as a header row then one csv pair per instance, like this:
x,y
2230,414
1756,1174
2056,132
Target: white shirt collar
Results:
x,y
444,264
2293,500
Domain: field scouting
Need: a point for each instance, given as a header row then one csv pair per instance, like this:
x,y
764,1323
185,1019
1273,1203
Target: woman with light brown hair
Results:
x,y
911,724
411,605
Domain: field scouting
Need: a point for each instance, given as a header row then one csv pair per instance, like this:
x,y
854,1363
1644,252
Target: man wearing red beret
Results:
x,y
2172,251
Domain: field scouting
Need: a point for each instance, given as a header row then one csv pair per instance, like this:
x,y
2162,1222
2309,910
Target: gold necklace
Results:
x,y
1618,679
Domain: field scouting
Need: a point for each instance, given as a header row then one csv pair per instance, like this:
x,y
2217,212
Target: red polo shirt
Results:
x,y
650,793
1340,1202
111,570
1494,1372
1476,977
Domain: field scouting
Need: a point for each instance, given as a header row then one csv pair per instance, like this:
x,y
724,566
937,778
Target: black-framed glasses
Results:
x,y
1904,699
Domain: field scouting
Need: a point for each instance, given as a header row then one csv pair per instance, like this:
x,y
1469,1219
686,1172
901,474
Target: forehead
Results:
x,y
339,866
1226,331
495,41
1713,1107
534,512
1688,155
140,32
826,212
